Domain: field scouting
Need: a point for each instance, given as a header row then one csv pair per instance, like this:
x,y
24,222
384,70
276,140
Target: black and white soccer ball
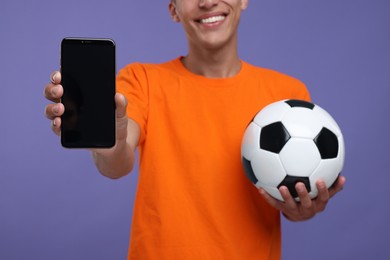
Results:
x,y
292,141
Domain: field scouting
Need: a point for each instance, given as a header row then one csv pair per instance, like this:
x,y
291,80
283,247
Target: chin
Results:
x,y
216,44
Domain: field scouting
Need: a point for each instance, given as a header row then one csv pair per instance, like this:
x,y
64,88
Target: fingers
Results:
x,y
338,186
289,201
323,196
56,125
273,202
121,117
54,113
121,105
303,195
54,110
55,77
54,91
323,192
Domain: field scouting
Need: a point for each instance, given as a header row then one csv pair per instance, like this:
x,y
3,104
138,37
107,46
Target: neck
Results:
x,y
213,63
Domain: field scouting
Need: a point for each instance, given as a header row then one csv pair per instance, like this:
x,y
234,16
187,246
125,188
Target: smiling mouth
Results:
x,y
213,19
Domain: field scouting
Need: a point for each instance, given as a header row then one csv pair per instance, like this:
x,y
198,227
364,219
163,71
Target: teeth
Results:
x,y
213,19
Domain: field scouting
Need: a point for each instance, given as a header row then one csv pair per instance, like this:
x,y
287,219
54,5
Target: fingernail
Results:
x,y
54,91
300,187
55,109
52,79
284,190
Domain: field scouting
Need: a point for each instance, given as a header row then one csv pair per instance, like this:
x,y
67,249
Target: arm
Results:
x,y
114,162
119,160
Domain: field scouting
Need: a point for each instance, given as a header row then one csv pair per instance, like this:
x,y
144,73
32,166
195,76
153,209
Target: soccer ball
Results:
x,y
292,141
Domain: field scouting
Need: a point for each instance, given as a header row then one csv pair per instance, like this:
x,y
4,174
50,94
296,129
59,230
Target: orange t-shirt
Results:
x,y
193,199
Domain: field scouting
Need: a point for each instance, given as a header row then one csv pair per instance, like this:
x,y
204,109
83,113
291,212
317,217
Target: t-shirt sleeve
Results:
x,y
132,83
297,89
302,91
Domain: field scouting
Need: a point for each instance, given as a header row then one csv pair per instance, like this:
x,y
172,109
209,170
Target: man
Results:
x,y
187,117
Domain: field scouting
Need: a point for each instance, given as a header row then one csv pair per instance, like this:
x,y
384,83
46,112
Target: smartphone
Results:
x,y
88,70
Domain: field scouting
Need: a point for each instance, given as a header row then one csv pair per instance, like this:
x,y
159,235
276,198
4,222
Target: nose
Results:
x,y
208,3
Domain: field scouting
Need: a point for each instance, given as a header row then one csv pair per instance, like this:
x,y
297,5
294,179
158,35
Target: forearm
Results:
x,y
116,162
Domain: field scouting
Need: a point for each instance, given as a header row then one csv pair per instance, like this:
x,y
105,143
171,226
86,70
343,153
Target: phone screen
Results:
x,y
88,79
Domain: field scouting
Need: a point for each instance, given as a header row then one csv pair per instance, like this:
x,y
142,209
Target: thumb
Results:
x,y
121,105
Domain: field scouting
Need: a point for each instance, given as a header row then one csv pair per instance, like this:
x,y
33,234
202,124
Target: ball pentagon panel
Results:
x,y
300,157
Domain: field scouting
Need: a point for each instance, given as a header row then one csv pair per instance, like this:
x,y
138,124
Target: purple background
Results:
x,y
55,205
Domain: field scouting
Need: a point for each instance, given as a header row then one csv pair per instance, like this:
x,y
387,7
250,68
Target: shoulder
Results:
x,y
278,82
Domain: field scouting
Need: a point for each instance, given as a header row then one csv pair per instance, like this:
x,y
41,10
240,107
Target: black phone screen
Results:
x,y
88,79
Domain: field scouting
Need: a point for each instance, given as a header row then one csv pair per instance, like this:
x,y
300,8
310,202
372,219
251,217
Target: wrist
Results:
x,y
119,146
114,162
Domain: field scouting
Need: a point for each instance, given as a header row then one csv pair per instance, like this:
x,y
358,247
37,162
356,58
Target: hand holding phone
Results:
x,y
88,80
54,111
